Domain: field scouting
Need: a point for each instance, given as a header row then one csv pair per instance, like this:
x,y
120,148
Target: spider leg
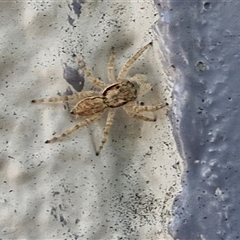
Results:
x,y
109,123
89,75
123,72
66,98
111,73
138,109
132,114
76,127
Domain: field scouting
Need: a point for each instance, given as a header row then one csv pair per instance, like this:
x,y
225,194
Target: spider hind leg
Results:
x,y
76,96
109,123
73,129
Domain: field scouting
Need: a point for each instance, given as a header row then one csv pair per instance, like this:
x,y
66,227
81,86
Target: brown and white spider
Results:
x,y
122,92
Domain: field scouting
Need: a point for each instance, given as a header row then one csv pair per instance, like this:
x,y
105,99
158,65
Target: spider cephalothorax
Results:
x,y
118,94
122,92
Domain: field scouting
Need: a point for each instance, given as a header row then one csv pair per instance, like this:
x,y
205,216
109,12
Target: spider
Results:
x,y
122,92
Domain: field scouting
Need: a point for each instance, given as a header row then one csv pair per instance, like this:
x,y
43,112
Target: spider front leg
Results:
x,y
109,123
76,127
111,72
89,75
138,109
123,72
133,114
66,98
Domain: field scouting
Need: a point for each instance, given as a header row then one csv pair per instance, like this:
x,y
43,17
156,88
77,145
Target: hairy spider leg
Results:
x,y
66,98
138,109
123,72
133,114
76,127
107,128
89,75
111,72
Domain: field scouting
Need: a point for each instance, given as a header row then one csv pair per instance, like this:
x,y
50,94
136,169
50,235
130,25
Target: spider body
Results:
x,y
122,92
115,95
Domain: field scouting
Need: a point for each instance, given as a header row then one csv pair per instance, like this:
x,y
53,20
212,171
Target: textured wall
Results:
x,y
202,43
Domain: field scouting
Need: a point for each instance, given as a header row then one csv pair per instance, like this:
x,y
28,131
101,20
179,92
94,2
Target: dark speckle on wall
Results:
x,y
73,77
76,6
71,21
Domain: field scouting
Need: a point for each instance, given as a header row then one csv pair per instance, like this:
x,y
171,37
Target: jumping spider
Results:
x,y
122,92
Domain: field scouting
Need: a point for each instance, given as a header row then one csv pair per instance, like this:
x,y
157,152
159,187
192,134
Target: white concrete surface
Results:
x,y
62,190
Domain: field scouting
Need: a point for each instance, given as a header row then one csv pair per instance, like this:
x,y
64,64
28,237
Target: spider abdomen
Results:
x,y
89,106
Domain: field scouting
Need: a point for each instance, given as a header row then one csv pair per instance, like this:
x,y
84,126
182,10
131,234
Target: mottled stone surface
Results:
x,y
63,190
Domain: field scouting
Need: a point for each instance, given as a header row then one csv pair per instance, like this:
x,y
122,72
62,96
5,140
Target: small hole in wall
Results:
x,y
200,66
207,5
